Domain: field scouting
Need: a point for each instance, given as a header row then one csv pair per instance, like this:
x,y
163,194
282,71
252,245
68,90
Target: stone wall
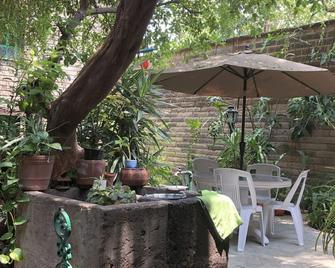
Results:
x,y
162,234
297,44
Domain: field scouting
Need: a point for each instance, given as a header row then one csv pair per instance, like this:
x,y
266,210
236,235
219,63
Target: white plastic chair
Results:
x,y
203,173
264,169
228,183
293,208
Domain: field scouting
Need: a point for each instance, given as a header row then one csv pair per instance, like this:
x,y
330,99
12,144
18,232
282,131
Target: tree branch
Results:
x,y
101,73
101,10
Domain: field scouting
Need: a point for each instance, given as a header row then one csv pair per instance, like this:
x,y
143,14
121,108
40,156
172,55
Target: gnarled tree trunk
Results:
x,y
98,77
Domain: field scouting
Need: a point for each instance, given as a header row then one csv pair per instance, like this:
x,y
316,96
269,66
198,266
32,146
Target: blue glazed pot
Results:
x,y
131,163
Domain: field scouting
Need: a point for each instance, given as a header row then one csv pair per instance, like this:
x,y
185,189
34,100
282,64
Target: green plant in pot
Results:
x,y
131,174
113,195
123,145
90,134
33,152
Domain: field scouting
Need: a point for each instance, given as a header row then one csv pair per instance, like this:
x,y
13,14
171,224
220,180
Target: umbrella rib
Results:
x,y
232,71
254,80
301,82
209,80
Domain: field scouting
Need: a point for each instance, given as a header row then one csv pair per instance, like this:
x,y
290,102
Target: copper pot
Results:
x,y
134,176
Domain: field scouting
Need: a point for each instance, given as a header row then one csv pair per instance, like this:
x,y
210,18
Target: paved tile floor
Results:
x,y
282,251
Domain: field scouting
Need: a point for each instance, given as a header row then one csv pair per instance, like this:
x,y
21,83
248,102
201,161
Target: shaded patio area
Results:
x,y
282,251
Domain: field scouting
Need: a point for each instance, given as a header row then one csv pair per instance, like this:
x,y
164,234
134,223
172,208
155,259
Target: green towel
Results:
x,y
222,211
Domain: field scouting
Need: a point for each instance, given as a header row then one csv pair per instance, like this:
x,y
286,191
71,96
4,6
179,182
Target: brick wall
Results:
x,y
9,77
297,44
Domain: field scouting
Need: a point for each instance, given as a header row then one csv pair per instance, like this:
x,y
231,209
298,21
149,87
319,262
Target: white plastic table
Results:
x,y
261,182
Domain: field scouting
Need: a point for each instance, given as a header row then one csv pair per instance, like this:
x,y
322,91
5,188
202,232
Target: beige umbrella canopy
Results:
x,y
248,75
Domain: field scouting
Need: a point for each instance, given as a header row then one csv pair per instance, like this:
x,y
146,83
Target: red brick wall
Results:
x,y
297,44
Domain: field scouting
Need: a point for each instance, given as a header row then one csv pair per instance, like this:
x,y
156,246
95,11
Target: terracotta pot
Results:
x,y
279,212
34,171
134,176
110,177
88,171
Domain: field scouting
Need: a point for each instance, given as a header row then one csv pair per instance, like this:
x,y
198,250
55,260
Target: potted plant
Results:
x,y
131,174
89,134
117,194
33,150
88,170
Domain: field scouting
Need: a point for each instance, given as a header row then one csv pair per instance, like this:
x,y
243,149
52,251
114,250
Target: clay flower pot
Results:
x,y
34,172
110,177
134,176
88,171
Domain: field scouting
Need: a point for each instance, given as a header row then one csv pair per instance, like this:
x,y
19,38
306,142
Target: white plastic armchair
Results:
x,y
288,205
227,180
264,169
203,173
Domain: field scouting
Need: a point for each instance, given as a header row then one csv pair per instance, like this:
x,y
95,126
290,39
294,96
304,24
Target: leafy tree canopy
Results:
x,y
79,26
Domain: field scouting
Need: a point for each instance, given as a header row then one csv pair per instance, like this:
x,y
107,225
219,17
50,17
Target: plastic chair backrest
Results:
x,y
204,166
203,172
228,179
301,180
263,168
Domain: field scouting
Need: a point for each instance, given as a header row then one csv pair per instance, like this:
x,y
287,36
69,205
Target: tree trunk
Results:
x,y
98,77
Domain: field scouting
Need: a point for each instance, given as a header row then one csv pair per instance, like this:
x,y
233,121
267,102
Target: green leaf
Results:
x,y
10,182
6,236
16,254
55,146
20,221
23,199
4,259
6,164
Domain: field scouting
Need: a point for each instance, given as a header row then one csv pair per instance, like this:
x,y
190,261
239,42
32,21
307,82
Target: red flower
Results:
x,y
146,64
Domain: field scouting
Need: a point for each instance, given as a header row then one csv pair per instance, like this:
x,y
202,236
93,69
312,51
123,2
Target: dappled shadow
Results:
x,y
282,251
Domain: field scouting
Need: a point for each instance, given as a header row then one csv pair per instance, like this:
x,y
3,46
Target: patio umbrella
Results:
x,y
248,75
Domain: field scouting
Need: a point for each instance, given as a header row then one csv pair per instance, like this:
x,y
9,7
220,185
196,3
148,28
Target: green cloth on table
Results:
x,y
222,211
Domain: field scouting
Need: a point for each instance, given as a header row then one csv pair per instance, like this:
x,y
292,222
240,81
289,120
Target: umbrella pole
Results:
x,y
242,143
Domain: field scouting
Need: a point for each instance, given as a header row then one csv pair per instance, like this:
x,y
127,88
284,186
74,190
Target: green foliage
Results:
x,y
111,195
327,233
217,127
11,197
318,201
194,125
37,87
35,141
230,155
306,113
258,145
160,172
128,118
175,24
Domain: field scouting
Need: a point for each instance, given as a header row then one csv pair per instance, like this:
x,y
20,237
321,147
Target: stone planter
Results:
x,y
149,234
